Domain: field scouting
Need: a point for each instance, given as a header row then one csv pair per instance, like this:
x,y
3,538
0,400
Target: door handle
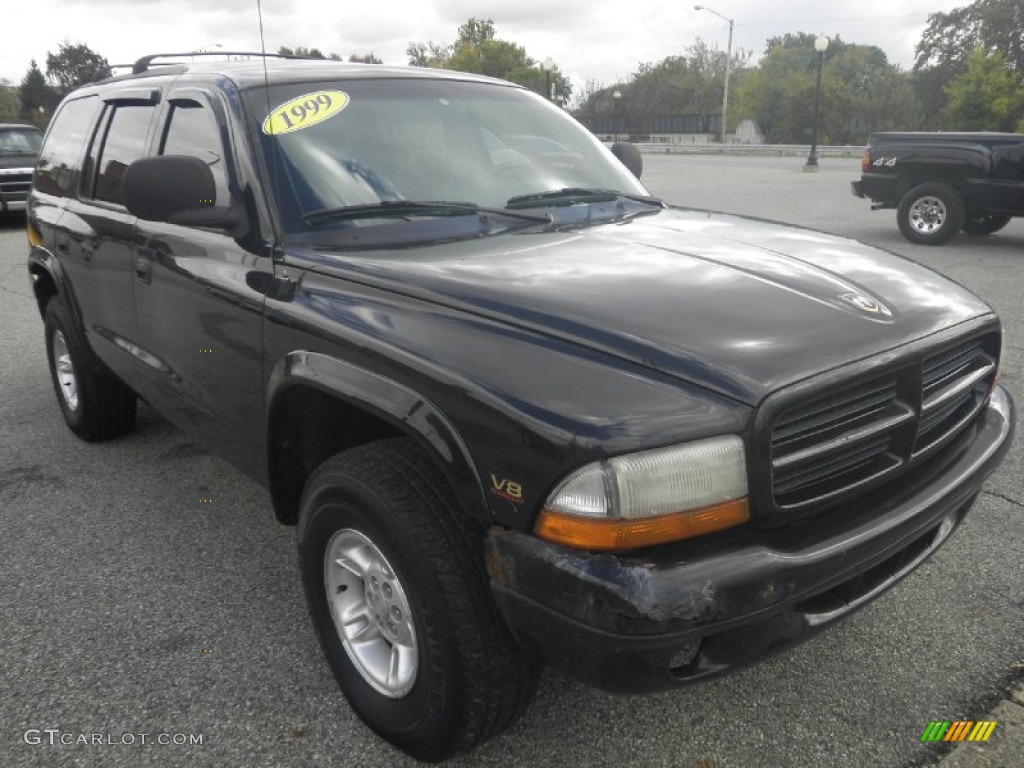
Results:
x,y
143,269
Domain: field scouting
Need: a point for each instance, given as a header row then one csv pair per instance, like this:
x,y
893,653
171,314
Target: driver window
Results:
x,y
192,131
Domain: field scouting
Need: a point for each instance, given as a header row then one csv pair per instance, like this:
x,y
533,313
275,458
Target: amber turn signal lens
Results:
x,y
34,238
592,533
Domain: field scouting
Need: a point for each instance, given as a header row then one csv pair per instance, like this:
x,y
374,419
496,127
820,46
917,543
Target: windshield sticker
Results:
x,y
304,112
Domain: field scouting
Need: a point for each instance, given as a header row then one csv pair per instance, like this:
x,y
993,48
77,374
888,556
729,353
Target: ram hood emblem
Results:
x,y
863,303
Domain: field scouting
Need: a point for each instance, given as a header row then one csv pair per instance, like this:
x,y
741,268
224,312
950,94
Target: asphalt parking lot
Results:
x,y
130,607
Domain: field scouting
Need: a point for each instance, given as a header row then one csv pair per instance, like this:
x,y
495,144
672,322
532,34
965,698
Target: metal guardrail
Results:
x,y
787,150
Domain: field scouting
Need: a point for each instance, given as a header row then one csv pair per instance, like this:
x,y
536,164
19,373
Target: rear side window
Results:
x,y
61,155
192,131
124,142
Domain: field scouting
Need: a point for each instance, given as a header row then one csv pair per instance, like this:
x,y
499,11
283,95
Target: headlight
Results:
x,y
650,497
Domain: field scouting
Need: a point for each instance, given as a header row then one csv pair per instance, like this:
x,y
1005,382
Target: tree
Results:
x,y
995,26
860,92
428,55
72,66
365,58
949,41
477,49
9,107
35,95
987,97
301,52
690,85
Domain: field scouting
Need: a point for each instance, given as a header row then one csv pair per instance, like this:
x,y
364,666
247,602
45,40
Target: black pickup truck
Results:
x,y
518,410
19,149
942,183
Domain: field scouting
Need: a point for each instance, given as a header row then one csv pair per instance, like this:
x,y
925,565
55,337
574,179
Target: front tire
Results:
x,y
95,405
397,591
930,214
985,225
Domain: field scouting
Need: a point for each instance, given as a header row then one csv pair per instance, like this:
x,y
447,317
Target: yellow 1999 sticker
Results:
x,y
305,111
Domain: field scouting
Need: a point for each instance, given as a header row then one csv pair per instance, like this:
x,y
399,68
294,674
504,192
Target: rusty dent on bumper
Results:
x,y
615,592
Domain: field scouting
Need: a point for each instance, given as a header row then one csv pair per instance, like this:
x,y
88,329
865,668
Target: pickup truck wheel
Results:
x,y
396,587
95,405
930,214
985,225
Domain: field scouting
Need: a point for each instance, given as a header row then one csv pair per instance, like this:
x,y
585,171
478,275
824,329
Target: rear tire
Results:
x,y
930,214
95,405
985,225
380,522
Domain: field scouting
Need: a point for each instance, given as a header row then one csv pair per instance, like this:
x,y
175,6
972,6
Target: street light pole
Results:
x,y
728,63
820,45
548,65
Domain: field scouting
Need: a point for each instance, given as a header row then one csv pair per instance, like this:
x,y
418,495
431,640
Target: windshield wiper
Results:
x,y
403,208
570,195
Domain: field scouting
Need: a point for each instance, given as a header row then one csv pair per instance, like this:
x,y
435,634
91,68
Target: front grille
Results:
x,y
848,439
954,387
15,186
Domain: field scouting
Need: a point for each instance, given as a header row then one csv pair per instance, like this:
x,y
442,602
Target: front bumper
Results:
x,y
651,620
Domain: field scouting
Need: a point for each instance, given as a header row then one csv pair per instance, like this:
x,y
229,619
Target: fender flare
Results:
x,y
41,260
389,400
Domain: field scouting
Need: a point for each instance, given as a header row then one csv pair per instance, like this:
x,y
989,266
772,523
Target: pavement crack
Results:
x,y
1004,498
16,293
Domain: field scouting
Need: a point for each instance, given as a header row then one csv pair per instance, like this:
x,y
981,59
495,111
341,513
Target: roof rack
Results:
x,y
143,64
102,73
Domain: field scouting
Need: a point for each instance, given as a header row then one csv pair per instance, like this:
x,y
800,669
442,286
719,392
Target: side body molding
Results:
x,y
406,410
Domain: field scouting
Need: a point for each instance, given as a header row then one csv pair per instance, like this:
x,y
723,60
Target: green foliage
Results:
x,y
36,97
73,66
433,55
690,84
301,52
947,45
995,26
10,109
860,92
365,58
987,97
477,49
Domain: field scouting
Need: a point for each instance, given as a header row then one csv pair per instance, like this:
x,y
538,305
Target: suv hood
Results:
x,y
18,160
739,306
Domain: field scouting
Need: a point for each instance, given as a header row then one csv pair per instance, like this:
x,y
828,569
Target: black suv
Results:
x,y
518,409
19,149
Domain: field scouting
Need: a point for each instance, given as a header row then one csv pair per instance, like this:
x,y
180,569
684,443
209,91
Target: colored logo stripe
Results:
x,y
958,730
982,731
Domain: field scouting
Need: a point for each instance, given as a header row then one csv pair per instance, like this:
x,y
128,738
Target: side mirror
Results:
x,y
178,189
629,156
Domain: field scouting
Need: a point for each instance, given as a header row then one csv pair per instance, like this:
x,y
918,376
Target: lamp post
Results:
x,y
820,45
728,62
548,65
617,95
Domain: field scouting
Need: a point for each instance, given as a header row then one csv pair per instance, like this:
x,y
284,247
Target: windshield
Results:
x,y
20,141
367,142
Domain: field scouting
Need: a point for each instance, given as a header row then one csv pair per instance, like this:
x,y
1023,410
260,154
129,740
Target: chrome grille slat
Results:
x,y
895,416
811,420
786,481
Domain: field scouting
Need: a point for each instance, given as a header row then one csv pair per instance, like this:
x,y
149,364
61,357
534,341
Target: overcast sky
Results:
x,y
603,40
